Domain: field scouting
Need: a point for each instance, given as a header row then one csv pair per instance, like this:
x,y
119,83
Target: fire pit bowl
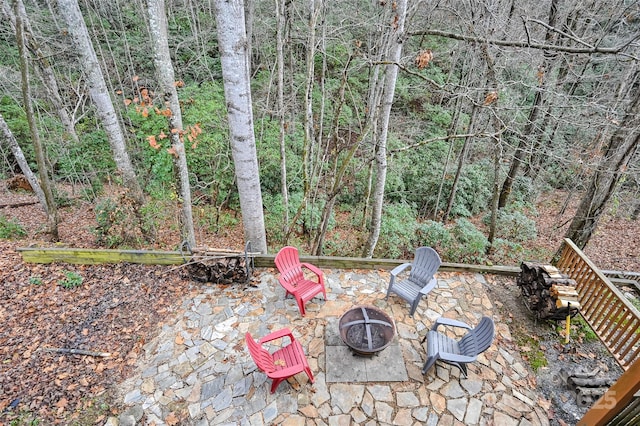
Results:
x,y
366,330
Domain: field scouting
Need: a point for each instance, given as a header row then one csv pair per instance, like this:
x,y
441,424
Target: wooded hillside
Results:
x,y
373,127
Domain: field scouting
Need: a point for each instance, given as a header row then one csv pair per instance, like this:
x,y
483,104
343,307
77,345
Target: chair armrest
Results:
x,y
457,358
395,271
277,335
284,283
312,268
430,286
451,322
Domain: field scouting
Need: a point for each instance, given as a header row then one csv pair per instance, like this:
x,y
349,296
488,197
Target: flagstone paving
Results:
x,y
197,371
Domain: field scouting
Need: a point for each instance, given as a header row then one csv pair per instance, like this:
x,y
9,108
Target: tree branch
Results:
x,y
408,71
444,138
617,50
76,352
562,33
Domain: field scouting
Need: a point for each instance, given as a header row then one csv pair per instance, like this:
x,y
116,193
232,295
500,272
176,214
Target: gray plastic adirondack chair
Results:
x,y
458,352
421,278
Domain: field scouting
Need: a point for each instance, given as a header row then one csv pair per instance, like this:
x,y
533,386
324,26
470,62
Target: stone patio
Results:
x,y
197,370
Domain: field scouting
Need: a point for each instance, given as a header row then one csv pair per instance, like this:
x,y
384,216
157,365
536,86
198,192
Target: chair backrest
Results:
x,y
478,339
425,264
288,263
260,355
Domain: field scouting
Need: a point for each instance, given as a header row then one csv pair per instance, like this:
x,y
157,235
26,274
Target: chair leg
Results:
x,y
275,384
414,306
428,364
388,293
463,369
309,374
301,306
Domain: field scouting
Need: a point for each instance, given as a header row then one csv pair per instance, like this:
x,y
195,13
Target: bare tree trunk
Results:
x,y
529,129
280,29
315,8
391,75
15,149
453,129
249,9
338,169
493,223
166,78
461,160
70,13
314,11
43,68
624,141
51,208
236,76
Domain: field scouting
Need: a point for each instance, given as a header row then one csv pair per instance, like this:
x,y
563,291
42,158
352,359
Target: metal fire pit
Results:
x,y
366,330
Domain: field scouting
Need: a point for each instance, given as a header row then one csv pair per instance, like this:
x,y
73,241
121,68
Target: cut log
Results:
x,y
570,304
563,290
224,270
543,286
590,382
585,397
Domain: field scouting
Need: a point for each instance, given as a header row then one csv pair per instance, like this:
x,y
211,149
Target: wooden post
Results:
x,y
615,399
568,325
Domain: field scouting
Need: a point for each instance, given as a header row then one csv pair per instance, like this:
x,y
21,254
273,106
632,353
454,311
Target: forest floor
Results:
x,y
45,309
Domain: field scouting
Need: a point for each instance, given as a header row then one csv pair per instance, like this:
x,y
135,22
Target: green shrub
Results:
x,y
35,280
473,194
212,220
433,234
108,214
88,159
71,280
513,225
22,417
470,244
119,224
11,229
309,219
62,198
504,252
397,230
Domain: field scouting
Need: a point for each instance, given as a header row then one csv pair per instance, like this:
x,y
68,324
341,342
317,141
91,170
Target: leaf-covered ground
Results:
x,y
117,308
114,310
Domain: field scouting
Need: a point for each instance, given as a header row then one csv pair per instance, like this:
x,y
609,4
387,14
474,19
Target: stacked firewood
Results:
x,y
587,386
547,293
219,266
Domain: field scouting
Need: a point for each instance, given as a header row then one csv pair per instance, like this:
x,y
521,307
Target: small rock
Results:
x,y
136,412
111,421
127,420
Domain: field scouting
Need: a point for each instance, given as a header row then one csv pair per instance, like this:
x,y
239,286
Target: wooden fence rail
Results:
x,y
612,317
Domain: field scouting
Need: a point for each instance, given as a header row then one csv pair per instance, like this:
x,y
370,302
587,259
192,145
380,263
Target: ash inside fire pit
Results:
x,y
366,330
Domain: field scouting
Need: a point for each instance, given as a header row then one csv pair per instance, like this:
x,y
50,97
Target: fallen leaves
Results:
x,y
108,313
179,340
172,419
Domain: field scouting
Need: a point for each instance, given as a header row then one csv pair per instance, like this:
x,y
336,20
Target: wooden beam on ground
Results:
x,y
97,256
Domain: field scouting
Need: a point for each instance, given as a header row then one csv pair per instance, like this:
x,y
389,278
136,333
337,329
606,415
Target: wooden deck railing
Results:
x,y
611,316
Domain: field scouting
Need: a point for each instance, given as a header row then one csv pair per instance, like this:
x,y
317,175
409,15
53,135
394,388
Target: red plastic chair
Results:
x,y
284,362
293,280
